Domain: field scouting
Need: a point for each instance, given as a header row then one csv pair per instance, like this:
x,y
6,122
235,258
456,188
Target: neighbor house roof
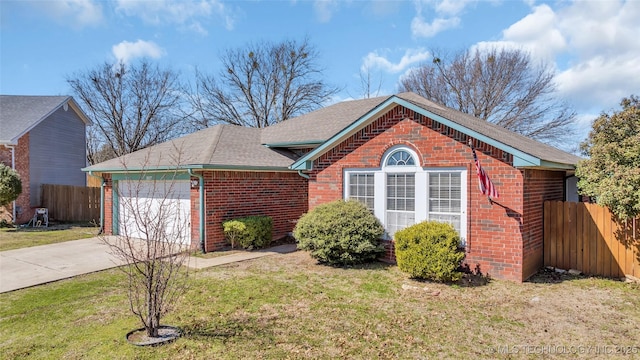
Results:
x,y
234,147
218,147
19,114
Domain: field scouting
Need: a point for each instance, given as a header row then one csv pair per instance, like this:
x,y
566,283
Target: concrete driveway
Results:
x,y
36,265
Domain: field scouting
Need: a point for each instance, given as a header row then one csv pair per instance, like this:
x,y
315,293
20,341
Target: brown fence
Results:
x,y
589,238
71,203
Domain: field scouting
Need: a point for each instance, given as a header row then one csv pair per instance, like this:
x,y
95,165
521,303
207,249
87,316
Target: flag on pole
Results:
x,y
485,183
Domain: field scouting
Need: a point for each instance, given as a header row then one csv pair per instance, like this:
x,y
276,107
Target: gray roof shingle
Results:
x,y
220,146
229,146
19,114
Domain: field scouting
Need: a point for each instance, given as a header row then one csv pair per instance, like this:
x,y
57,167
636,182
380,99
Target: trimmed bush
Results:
x,y
251,232
340,233
429,250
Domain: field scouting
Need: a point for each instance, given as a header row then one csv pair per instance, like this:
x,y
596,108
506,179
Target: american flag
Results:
x,y
485,183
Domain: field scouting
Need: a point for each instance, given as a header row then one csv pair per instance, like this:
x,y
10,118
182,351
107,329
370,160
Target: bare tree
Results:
x,y
260,85
500,86
132,106
153,246
368,88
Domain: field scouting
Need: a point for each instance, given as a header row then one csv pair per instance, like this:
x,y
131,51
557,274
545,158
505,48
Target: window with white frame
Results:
x,y
401,193
401,200
361,188
445,198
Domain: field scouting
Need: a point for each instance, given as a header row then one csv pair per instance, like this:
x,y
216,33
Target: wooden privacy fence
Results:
x,y
72,203
589,238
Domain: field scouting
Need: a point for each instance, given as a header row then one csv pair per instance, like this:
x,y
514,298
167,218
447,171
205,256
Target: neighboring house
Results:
x,y
43,139
405,157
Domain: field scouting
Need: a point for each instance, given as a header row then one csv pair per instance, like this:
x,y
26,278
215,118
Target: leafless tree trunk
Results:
x,y
261,84
132,107
368,89
152,245
500,86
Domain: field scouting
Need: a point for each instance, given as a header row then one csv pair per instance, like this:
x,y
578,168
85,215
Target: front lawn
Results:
x,y
287,306
16,238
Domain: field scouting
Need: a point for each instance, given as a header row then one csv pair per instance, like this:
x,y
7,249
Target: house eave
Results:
x,y
120,170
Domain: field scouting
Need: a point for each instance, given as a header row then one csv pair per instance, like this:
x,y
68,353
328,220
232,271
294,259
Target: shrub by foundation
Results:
x,y
340,233
251,232
429,250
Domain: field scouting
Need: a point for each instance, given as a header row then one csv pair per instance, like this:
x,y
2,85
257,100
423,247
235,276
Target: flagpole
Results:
x,y
475,159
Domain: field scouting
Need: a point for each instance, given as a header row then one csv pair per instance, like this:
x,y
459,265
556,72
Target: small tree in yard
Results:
x,y
10,185
153,227
611,174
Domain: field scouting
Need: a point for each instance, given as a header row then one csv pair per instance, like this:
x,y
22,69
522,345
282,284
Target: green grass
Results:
x,y
12,238
287,306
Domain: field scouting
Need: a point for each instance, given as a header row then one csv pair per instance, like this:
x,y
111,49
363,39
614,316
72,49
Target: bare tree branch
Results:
x,y
132,106
154,229
500,86
261,84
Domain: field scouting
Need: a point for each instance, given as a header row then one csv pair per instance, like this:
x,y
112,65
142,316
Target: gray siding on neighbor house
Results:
x,y
57,152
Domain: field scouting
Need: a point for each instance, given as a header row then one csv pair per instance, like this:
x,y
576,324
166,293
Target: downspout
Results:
x,y
303,174
102,185
13,167
201,208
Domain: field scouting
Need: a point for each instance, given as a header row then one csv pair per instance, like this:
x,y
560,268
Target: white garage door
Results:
x,y
155,210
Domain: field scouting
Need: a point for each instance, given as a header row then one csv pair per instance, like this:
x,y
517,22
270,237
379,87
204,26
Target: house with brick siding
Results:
x,y
43,139
406,158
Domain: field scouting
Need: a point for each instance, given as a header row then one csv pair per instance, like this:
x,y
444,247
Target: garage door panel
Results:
x,y
155,209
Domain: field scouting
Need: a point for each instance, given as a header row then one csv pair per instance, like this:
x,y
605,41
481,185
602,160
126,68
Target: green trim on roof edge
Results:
x,y
186,167
521,159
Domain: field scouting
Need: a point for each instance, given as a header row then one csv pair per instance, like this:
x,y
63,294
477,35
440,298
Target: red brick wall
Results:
x,y
234,194
108,205
5,156
539,186
5,159
23,203
494,231
231,195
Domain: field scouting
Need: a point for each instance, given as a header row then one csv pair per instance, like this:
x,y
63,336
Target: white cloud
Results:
x,y
375,60
420,28
600,80
76,13
127,51
160,12
446,16
324,9
592,44
451,7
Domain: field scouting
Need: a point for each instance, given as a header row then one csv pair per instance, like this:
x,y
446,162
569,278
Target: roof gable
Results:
x,y
526,152
20,114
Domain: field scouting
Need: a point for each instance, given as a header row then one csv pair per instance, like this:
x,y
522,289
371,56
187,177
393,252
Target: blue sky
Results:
x,y
592,45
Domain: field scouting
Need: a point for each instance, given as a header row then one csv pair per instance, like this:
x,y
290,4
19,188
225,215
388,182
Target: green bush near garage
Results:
x,y
429,250
251,232
340,233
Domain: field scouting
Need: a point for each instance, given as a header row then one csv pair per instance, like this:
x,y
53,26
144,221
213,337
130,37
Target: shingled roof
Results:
x,y
220,146
19,114
234,147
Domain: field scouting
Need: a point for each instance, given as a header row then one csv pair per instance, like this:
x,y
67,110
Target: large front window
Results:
x,y
401,202
401,193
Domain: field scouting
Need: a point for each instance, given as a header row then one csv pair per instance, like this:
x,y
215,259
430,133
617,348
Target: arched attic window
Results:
x,y
400,157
